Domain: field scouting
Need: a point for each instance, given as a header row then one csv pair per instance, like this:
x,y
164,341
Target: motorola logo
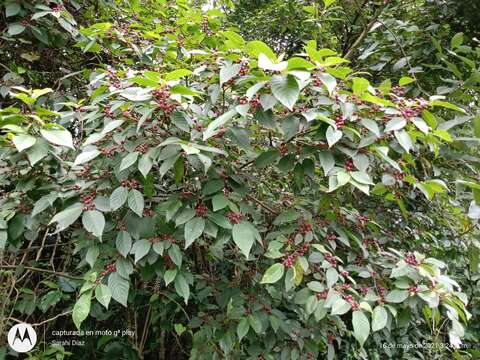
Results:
x,y
22,338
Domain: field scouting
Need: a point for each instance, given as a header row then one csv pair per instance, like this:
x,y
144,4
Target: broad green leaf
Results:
x,y
228,72
140,249
103,294
128,160
219,202
242,328
94,222
256,47
119,288
215,124
23,141
136,202
456,41
193,229
145,164
86,156
81,309
92,255
123,243
404,140
285,89
243,237
329,81
395,124
58,137
273,274
361,326
360,85
361,177
182,288
396,296
177,74
118,198
333,136
169,276
405,80
340,307
67,217
379,318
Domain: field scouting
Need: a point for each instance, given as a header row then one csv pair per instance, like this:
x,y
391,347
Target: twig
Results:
x,y
43,271
53,318
266,207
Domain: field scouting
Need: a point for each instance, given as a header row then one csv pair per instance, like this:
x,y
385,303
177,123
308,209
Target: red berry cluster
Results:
x,y
147,212
283,148
142,148
331,237
169,31
131,184
410,259
412,290
300,109
399,176
87,200
162,96
201,210
290,259
330,338
408,113
243,68
357,100
243,101
110,268
364,290
339,121
352,301
363,218
255,103
24,209
322,295
346,286
57,8
381,291
107,111
85,171
316,81
305,227
164,237
349,165
234,217
331,259
109,151
345,273
398,90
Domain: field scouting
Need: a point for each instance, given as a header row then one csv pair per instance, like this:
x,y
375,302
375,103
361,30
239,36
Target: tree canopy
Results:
x,y
240,179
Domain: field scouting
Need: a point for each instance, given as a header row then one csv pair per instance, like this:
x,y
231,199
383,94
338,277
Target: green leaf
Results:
x,y
177,74
379,318
329,81
328,2
396,296
15,29
242,328
395,124
94,222
136,202
58,137
285,89
243,237
141,248
22,141
447,105
86,156
119,288
81,309
361,177
215,124
360,85
12,9
273,274
456,41
169,276
103,295
182,288
123,243
340,307
255,323
333,136
128,160
256,47
219,202
193,229
404,140
118,198
267,158
405,80
361,326
228,72
92,255
67,217
186,215
145,164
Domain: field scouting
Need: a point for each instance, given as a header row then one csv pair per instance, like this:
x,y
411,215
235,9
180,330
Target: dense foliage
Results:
x,y
307,196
